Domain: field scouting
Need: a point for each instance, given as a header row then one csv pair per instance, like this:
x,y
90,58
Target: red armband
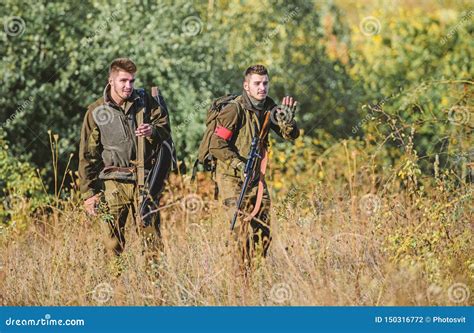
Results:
x,y
223,133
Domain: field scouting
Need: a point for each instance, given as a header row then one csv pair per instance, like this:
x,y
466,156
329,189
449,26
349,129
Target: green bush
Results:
x,y
417,76
22,189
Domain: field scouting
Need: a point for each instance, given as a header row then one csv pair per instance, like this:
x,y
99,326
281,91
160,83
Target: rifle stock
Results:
x,y
164,161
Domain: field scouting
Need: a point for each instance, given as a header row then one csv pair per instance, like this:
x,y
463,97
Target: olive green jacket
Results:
x,y
108,139
244,122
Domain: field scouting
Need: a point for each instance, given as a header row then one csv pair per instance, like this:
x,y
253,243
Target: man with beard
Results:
x,y
108,150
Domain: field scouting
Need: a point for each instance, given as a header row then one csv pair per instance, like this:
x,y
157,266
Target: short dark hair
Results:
x,y
122,64
255,69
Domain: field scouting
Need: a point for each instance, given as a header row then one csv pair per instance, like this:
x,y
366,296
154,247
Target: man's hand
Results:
x,y
91,204
284,114
144,130
289,106
289,102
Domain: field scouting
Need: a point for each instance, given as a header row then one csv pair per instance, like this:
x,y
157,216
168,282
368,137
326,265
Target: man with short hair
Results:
x,y
237,124
108,149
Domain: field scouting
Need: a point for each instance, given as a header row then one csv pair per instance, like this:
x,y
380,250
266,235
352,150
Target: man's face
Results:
x,y
256,86
121,83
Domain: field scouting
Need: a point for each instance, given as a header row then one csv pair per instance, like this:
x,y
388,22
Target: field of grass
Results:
x,y
347,230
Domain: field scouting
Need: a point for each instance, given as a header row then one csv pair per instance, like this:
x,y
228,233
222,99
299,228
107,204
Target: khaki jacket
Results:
x,y
244,122
108,139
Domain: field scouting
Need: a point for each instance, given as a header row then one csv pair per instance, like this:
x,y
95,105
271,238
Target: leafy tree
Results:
x,y
417,72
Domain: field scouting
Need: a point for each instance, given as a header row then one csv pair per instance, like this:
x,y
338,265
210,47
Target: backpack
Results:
x,y
204,157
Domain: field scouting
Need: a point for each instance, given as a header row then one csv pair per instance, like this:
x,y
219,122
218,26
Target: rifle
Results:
x,y
258,151
249,174
165,160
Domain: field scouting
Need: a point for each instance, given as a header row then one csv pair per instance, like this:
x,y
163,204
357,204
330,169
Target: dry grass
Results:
x,y
349,235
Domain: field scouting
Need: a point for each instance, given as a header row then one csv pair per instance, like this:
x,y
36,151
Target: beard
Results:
x,y
260,97
257,96
124,95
